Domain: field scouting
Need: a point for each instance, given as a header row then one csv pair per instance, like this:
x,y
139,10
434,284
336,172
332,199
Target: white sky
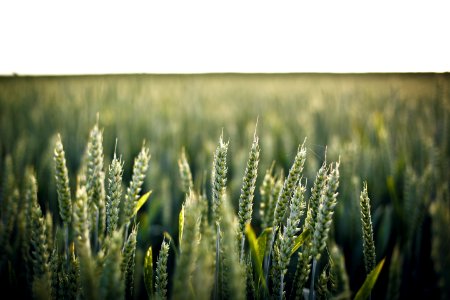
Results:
x,y
96,37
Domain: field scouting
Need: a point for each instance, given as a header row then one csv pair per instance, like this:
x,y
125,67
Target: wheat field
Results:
x,y
225,186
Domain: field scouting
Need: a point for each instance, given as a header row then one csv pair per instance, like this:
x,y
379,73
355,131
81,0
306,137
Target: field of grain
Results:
x,y
390,131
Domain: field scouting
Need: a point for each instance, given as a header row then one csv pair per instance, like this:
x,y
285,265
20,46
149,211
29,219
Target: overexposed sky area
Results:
x,y
98,37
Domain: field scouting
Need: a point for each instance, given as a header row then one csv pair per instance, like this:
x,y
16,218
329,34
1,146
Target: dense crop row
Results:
x,y
77,224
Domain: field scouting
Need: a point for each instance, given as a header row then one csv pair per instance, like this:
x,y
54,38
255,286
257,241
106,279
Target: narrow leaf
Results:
x,y
180,226
148,272
300,240
369,283
262,242
252,241
141,202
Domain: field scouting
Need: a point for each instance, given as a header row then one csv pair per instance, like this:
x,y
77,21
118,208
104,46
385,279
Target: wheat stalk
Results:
x,y
247,192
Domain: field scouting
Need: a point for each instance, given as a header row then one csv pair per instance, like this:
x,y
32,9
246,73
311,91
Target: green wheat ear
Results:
x,y
62,182
73,275
219,178
314,199
111,283
341,285
247,193
325,212
187,183
325,279
161,272
114,194
305,256
80,219
289,186
187,260
367,230
286,240
139,172
95,178
87,270
128,262
39,248
265,190
233,272
284,196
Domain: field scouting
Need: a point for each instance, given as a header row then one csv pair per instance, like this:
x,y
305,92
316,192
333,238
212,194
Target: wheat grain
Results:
x,y
139,172
187,183
95,186
367,230
114,194
62,183
325,212
265,191
247,192
219,178
111,283
128,262
289,186
161,276
286,240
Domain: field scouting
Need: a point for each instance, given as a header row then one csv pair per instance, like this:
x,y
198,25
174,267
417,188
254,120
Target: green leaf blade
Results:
x,y
254,247
141,202
262,242
369,283
300,240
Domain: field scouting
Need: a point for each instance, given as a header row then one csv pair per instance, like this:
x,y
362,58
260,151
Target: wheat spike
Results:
x,y
367,230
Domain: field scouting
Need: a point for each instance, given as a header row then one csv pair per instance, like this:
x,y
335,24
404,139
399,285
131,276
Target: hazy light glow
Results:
x,y
207,36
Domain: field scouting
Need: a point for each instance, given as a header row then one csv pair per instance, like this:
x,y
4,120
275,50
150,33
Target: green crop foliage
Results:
x,y
84,210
